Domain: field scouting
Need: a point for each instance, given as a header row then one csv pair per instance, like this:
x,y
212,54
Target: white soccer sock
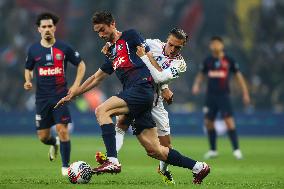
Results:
x,y
113,160
163,166
197,167
119,138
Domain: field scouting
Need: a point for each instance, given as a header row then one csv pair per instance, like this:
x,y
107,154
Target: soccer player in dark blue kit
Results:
x,y
48,60
217,67
135,100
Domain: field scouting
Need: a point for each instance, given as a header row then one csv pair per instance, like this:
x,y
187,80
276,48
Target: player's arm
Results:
x,y
241,80
197,82
90,83
79,76
28,79
159,76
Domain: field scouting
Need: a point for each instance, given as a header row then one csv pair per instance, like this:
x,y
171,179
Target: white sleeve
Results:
x,y
159,77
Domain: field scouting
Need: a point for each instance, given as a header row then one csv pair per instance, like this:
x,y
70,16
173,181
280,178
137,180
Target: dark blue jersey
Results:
x,y
49,65
218,72
128,66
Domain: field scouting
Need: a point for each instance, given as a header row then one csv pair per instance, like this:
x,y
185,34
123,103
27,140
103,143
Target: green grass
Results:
x,y
24,164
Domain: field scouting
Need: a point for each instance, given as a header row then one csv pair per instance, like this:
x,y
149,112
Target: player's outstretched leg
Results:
x,y
113,105
101,157
149,139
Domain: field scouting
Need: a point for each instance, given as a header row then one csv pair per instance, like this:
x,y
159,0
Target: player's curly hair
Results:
x,y
47,16
102,17
180,34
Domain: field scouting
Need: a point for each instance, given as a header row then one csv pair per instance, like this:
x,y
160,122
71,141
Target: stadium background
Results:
x,y
252,31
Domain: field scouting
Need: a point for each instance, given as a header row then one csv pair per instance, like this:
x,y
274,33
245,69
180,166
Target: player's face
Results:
x,y
106,32
216,46
47,29
173,46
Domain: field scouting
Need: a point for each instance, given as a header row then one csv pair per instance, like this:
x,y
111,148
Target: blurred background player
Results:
x,y
165,67
48,58
135,100
217,67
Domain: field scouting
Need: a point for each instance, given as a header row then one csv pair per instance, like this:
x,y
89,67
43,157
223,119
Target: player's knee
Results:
x,y
100,111
63,133
44,139
153,152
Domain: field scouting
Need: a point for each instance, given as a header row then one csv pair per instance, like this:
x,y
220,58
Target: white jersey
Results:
x,y
170,66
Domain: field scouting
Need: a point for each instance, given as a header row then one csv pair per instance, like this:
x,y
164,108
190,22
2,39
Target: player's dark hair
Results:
x,y
216,38
179,33
102,17
47,16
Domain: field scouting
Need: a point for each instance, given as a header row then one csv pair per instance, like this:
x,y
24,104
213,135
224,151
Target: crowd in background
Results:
x,y
252,32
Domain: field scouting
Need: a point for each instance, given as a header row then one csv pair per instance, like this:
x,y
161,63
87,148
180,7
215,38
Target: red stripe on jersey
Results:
x,y
58,61
225,68
122,60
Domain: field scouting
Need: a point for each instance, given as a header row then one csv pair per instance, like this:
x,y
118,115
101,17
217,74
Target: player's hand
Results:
x,y
195,89
28,85
73,89
105,49
64,100
140,51
182,67
168,95
246,99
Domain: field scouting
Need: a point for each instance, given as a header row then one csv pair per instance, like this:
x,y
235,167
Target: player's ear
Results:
x,y
113,24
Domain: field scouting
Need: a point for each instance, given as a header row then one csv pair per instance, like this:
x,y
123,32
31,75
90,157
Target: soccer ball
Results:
x,y
79,172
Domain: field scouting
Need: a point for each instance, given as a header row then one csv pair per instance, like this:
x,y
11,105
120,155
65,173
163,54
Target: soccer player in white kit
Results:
x,y
165,65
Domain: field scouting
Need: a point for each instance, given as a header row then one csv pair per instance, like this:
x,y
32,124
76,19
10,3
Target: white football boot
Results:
x,y
53,150
238,154
211,154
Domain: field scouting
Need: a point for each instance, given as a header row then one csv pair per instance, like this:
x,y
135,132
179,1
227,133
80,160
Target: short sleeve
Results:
x,y
139,40
107,67
73,56
29,61
204,67
234,66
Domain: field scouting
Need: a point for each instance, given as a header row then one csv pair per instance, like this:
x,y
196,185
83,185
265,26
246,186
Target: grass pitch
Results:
x,y
24,164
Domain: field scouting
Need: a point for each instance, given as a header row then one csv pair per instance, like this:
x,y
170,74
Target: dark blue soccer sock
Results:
x,y
233,138
108,134
65,150
176,159
212,138
50,141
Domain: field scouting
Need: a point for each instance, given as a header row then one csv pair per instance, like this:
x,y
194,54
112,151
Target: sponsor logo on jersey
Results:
x,y
217,74
118,62
50,71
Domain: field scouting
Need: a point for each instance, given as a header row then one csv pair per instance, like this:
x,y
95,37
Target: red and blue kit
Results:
x,y
49,66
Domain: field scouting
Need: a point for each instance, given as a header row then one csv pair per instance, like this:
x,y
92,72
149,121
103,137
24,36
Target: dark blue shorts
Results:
x,y
139,99
47,116
218,103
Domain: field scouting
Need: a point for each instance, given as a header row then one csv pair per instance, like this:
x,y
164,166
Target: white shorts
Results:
x,y
160,116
